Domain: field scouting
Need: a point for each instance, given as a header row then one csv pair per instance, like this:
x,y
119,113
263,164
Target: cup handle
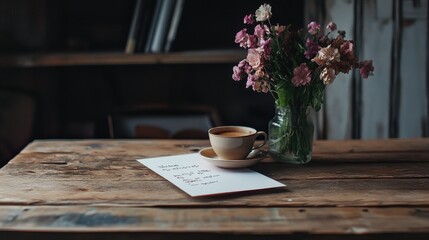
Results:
x,y
261,133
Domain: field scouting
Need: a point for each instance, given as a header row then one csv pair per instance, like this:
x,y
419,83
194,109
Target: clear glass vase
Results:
x,y
290,135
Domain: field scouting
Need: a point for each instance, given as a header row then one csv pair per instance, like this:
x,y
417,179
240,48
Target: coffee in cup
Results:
x,y
234,142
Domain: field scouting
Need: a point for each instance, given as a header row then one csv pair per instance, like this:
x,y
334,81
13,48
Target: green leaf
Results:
x,y
317,96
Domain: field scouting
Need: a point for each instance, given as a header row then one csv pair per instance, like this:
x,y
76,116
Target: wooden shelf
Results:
x,y
119,58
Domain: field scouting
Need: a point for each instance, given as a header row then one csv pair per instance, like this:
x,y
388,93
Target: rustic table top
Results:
x,y
96,189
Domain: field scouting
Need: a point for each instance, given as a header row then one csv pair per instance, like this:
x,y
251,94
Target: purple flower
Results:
x,y
248,19
366,69
314,28
331,26
312,48
301,75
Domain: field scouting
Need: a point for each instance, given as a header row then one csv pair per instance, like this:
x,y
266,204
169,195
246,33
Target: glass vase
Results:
x,y
291,135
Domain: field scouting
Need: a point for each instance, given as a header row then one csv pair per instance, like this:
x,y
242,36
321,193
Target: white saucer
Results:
x,y
254,157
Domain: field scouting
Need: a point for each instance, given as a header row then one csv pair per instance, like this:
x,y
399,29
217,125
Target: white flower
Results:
x,y
327,76
263,12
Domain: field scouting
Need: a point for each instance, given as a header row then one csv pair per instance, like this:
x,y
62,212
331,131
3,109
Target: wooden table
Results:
x,y
97,189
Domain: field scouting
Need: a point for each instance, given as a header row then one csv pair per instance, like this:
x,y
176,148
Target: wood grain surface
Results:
x,y
92,188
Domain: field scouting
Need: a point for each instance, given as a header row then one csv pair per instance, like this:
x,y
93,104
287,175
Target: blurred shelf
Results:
x,y
120,58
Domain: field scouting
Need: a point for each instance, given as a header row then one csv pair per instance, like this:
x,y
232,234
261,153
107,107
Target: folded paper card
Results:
x,y
195,176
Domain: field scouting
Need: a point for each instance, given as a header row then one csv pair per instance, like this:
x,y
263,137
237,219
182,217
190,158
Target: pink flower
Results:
x,y
261,31
296,61
258,82
265,48
331,26
251,79
251,42
243,64
254,58
261,86
366,69
241,37
314,28
347,48
239,70
237,73
248,19
301,75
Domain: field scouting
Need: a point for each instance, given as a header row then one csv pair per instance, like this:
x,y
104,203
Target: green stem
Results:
x,y
292,134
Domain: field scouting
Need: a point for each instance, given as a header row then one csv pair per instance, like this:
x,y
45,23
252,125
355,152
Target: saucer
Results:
x,y
254,157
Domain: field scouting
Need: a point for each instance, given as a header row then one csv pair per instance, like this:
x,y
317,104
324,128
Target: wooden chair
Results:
x,y
162,122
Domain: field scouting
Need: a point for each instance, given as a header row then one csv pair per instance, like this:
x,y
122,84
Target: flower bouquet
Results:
x,y
295,67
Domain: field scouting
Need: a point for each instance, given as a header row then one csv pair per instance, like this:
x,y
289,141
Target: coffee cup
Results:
x,y
234,142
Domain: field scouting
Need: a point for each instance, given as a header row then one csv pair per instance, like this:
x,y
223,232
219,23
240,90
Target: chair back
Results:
x,y
163,122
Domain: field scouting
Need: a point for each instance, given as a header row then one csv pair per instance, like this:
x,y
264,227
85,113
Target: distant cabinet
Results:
x,y
83,59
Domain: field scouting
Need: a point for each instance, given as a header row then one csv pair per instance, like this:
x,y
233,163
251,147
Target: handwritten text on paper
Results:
x,y
192,174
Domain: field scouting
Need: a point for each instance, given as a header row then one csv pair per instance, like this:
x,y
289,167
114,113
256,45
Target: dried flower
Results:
x,y
295,68
327,76
366,69
327,56
331,26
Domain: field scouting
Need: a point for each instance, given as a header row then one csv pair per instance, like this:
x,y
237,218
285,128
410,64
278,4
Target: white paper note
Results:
x,y
195,176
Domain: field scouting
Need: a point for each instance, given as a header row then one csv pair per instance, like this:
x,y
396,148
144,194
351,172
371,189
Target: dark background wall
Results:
x,y
74,101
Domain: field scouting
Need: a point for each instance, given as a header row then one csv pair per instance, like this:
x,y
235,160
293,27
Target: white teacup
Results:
x,y
234,142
